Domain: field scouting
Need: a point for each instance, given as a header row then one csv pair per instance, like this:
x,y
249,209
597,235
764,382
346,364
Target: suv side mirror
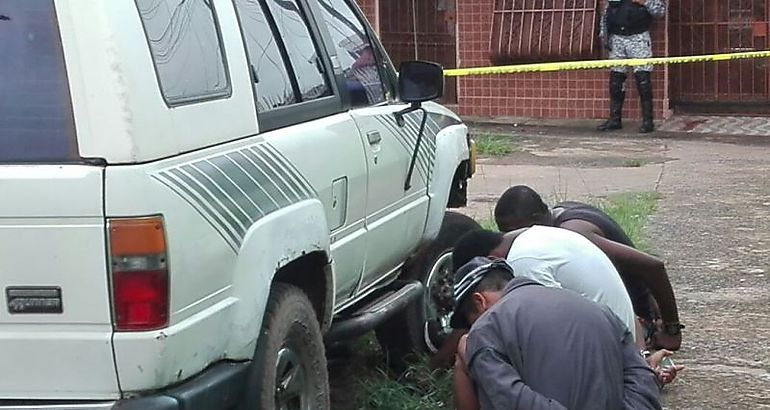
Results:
x,y
420,81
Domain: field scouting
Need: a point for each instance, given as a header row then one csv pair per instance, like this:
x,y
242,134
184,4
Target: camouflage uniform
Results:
x,y
635,44
632,46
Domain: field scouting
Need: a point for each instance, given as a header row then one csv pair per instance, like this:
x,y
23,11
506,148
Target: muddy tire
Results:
x,y
421,327
289,368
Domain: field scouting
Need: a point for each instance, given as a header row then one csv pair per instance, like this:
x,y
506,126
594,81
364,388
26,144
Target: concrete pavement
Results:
x,y
712,229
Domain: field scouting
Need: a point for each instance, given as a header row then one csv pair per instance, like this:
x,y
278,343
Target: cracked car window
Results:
x,y
186,47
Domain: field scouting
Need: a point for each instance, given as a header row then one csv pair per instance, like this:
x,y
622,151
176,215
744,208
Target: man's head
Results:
x,y
520,207
478,286
478,243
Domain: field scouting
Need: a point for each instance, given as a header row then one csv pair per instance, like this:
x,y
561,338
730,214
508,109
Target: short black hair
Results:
x,y
473,244
521,203
494,281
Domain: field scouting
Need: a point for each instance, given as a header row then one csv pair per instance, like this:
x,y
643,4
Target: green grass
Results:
x,y
417,389
632,211
488,223
492,145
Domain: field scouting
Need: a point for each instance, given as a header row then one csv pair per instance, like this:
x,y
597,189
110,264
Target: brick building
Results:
x,y
472,33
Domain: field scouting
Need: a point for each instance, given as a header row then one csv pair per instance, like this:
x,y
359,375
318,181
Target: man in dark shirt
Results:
x,y
532,347
644,276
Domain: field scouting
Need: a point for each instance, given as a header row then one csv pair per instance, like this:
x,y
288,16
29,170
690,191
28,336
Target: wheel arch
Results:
x,y
453,152
289,246
312,274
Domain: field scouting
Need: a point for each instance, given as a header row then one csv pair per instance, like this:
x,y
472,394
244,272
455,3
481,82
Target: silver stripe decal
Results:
x,y
408,137
275,175
233,190
247,209
262,177
242,182
413,131
199,205
285,172
392,127
237,216
309,190
425,146
213,207
258,194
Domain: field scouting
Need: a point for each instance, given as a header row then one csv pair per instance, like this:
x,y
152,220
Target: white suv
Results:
x,y
197,194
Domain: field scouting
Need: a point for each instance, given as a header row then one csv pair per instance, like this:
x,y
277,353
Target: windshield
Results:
x,y
36,123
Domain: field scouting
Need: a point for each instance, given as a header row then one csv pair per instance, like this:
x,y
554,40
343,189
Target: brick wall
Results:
x,y
563,95
370,8
435,35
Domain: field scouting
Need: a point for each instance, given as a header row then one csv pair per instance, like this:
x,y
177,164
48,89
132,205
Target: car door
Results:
x,y
395,215
302,121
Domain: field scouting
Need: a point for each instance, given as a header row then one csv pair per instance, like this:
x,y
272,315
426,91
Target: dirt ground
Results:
x,y
712,228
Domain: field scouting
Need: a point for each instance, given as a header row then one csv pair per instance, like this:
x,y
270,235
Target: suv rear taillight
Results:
x,y
139,268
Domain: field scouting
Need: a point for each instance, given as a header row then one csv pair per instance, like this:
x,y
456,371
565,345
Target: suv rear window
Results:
x,y
36,123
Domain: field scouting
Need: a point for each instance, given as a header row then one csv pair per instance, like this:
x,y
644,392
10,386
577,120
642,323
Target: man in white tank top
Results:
x,y
561,258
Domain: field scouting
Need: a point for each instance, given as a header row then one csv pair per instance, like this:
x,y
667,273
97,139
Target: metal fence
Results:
x,y
542,30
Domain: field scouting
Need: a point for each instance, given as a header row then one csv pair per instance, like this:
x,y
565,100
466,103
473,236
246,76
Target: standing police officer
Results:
x,y
625,32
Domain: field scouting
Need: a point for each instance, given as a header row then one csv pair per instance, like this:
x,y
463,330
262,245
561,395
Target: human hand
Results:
x,y
664,373
443,359
667,375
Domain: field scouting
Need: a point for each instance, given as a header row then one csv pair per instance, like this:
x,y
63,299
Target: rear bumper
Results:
x,y
219,387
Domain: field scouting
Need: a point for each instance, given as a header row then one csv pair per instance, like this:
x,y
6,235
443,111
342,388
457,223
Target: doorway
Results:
x,y
719,26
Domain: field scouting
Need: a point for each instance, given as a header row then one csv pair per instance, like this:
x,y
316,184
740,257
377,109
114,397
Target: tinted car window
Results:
x,y
186,48
301,48
274,87
355,53
36,123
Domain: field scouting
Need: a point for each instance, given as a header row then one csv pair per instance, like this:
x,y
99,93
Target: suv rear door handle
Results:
x,y
374,137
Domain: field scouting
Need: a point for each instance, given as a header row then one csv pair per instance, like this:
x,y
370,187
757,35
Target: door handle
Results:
x,y
374,137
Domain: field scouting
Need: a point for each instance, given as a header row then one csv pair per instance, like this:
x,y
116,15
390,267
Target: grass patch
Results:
x,y
492,145
417,389
635,163
362,381
632,212
488,223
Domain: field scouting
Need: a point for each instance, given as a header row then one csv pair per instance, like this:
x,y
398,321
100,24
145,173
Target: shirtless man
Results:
x,y
644,276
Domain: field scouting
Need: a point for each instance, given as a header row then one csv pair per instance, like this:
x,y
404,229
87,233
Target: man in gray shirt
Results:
x,y
532,347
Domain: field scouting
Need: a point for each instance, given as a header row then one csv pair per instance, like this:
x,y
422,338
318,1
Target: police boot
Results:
x,y
617,95
644,85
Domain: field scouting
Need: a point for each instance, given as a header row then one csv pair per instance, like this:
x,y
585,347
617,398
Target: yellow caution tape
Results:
x,y
597,64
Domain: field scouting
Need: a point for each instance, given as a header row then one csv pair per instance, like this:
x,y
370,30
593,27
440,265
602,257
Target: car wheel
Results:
x,y
423,326
289,368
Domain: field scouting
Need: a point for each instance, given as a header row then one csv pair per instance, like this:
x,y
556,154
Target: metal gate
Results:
x,y
543,30
719,26
421,30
